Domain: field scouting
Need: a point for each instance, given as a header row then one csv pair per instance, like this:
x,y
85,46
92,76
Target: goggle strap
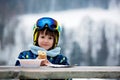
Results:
x,y
35,34
35,38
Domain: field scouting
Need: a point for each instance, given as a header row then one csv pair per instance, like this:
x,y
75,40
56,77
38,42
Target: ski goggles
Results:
x,y
48,22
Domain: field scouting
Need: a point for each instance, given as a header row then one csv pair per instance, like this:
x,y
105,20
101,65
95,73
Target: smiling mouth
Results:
x,y
45,44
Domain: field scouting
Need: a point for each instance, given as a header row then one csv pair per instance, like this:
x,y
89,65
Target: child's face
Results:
x,y
45,41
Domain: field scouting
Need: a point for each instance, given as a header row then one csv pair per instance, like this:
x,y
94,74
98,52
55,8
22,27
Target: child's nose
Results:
x,y
46,40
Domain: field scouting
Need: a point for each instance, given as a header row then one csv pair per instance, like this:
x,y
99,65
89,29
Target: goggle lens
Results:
x,y
51,23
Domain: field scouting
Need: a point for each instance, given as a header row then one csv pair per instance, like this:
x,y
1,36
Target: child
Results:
x,y
46,36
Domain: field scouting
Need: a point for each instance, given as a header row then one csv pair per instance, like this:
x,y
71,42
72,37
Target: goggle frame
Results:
x,y
48,22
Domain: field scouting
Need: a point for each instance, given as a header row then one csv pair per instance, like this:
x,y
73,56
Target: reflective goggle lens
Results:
x,y
51,23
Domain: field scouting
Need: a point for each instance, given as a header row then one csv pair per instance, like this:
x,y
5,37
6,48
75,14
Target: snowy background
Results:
x,y
93,32
90,35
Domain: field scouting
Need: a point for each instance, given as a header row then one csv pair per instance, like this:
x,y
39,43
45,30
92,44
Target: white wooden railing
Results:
x,y
12,72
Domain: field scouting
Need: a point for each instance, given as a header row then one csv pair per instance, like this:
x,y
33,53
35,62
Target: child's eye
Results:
x,y
50,37
42,36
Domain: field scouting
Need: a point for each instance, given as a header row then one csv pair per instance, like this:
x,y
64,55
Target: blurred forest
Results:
x,y
11,8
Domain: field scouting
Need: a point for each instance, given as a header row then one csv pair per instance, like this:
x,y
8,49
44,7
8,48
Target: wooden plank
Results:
x,y
7,72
